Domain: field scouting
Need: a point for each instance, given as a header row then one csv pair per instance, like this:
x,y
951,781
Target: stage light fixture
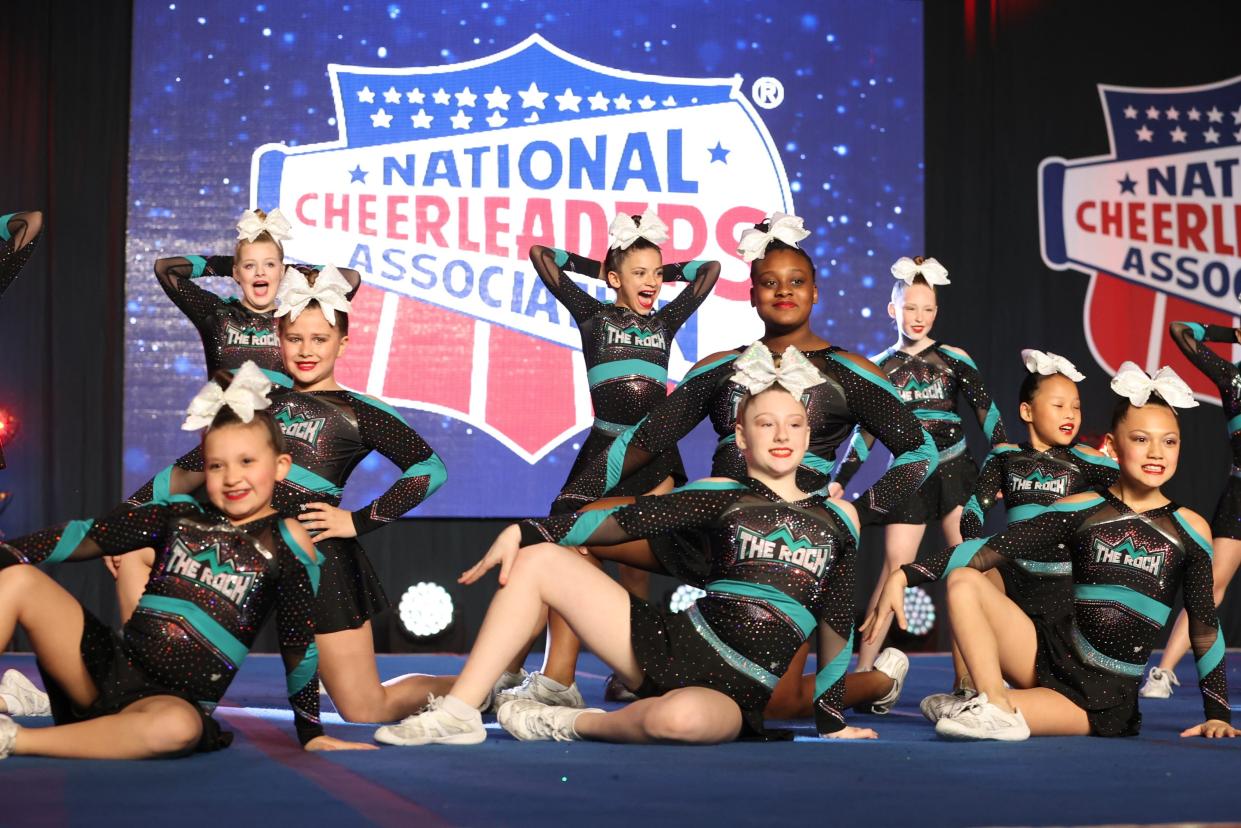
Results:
x,y
425,610
919,611
683,596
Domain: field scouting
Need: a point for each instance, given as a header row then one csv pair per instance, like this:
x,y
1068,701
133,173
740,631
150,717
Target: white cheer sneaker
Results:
x,y
21,697
1159,684
531,721
979,719
435,726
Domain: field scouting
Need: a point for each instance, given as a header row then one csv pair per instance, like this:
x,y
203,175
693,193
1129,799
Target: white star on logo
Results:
x,y
622,102
1144,134
1178,136
646,102
1172,113
598,102
669,101
461,120
1236,116
422,120
1152,113
365,95
1211,136
569,101
392,96
415,96
1215,116
465,97
381,119
532,98
495,120
1194,114
497,98
1130,112
441,97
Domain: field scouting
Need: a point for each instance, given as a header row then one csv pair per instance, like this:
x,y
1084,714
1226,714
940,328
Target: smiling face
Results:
x,y
310,347
1146,442
638,280
1055,412
772,433
257,267
242,467
914,308
782,289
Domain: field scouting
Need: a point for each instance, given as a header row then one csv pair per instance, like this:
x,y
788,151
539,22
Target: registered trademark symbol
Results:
x,y
767,92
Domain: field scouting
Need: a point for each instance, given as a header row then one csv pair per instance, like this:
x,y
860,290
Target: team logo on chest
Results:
x,y
781,546
249,337
916,389
206,569
1131,552
300,427
633,335
1039,481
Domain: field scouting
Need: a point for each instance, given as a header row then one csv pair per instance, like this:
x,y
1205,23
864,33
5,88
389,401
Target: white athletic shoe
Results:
x,y
507,681
980,719
940,705
8,735
894,664
531,721
434,726
538,687
1159,684
21,696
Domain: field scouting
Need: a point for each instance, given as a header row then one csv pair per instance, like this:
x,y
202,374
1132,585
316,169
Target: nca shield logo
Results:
x,y
1156,223
443,177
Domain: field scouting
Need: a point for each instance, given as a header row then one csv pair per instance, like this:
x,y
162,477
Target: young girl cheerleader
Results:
x,y
330,431
1226,524
1131,550
855,391
19,232
220,570
929,375
1030,477
782,571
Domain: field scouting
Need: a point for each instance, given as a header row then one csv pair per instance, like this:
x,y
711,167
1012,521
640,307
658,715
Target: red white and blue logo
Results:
x,y
1156,222
444,176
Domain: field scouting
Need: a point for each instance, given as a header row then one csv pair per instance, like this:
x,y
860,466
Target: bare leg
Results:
x,y
152,727
1223,567
901,540
996,638
349,672
1050,714
131,571
54,621
693,715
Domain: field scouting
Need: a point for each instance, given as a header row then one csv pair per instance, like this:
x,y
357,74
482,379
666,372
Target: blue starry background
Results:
x,y
212,81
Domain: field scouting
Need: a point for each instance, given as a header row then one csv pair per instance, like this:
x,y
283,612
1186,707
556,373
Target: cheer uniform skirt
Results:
x,y
1071,666
350,593
948,487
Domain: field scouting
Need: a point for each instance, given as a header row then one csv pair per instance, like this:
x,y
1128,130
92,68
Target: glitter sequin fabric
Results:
x,y
211,588
1127,569
626,357
780,572
12,260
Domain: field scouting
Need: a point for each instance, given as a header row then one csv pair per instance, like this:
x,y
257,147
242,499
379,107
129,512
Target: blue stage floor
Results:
x,y
907,777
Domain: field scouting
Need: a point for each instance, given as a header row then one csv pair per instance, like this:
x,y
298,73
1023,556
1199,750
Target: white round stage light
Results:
x,y
683,596
919,611
425,609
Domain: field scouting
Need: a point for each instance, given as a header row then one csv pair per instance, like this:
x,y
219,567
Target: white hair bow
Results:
x,y
906,269
1135,384
624,232
787,228
250,226
246,394
330,290
1038,362
756,370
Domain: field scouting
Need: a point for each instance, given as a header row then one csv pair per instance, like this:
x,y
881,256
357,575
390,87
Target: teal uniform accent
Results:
x,y
1104,662
196,617
375,402
840,513
1193,533
304,477
935,414
1075,507
586,525
1050,569
867,375
73,534
690,270
734,659
432,467
1099,460
767,594
1024,512
927,451
1144,605
834,669
277,378
813,461
616,456
161,486
963,554
955,354
200,266
4,226
857,444
1234,424
301,675
1003,449
1212,657
625,368
609,428
992,420
973,507
710,366
311,562
561,257
710,486
1199,332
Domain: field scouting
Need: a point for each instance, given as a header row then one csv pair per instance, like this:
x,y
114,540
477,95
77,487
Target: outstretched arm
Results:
x,y
1204,632
990,480
79,540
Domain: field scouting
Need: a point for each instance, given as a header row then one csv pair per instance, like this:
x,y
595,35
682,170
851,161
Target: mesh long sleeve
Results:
x,y
976,394
702,276
422,472
990,482
176,276
124,530
553,266
299,583
835,644
1205,636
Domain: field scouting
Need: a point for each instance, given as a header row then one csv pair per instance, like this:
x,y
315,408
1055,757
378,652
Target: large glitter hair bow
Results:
x,y
1038,362
787,228
1136,385
246,394
624,232
251,225
330,290
756,371
906,269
